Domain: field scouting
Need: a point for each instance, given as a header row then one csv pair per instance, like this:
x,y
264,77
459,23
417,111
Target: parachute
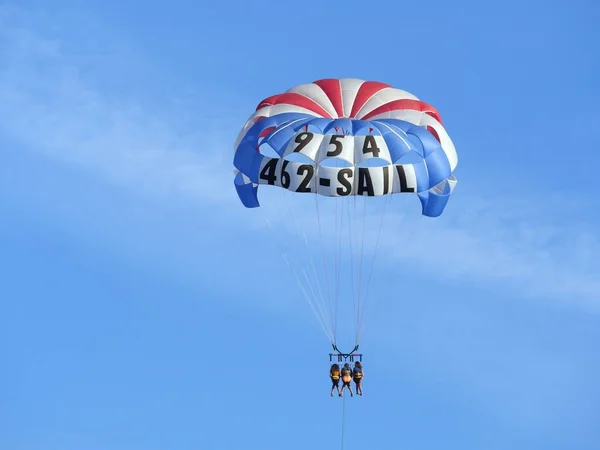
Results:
x,y
342,140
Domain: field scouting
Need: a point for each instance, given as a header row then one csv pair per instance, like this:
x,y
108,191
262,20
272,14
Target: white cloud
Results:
x,y
48,105
514,243
529,255
502,244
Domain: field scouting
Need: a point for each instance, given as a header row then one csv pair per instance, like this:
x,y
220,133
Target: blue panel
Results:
x,y
247,193
401,138
438,167
435,204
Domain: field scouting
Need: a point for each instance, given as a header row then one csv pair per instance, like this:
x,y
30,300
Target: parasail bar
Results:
x,y
343,357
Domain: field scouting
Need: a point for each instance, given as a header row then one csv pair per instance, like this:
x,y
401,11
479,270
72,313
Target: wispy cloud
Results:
x,y
514,249
47,105
527,243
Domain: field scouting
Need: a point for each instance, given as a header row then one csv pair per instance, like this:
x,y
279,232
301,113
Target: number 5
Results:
x,y
338,145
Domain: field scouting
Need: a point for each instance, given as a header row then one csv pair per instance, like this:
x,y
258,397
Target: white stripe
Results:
x,y
409,115
315,93
350,87
269,111
381,98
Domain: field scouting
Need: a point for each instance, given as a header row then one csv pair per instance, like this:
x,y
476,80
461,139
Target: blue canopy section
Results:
x,y
402,138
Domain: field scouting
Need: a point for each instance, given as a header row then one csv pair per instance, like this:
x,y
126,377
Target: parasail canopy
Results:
x,y
344,137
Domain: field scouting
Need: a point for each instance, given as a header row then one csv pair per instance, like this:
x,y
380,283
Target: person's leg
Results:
x,y
342,392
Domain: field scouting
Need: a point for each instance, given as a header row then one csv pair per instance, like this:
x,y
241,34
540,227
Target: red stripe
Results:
x,y
416,105
262,134
435,133
266,131
333,89
365,92
294,99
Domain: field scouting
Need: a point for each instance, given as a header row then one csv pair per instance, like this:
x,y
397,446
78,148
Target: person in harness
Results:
x,y
346,379
335,375
357,375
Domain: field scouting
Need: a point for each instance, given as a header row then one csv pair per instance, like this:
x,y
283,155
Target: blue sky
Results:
x,y
135,287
